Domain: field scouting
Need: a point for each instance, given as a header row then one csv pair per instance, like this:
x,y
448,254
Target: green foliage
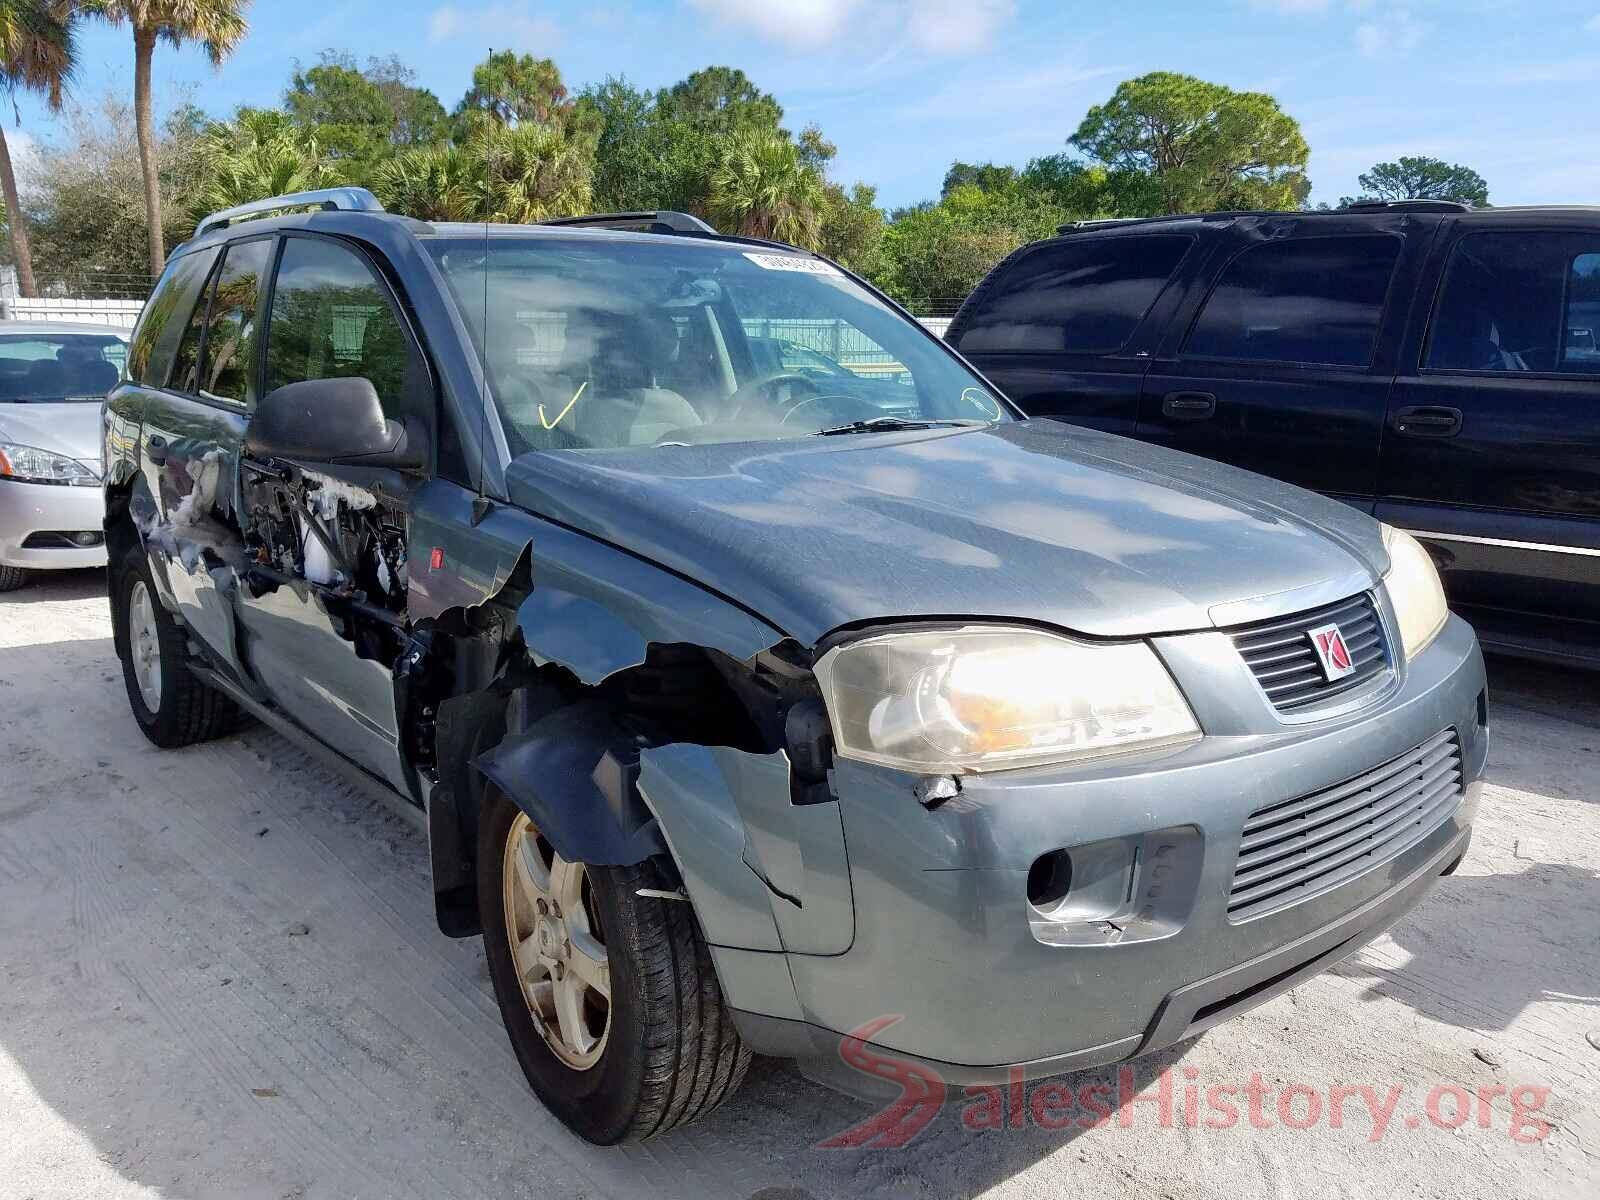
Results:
x,y
762,187
721,101
85,209
513,89
523,174
852,228
261,152
1422,178
1203,146
360,117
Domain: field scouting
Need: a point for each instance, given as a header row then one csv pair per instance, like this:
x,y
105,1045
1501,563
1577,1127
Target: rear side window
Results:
x,y
166,316
1580,350
230,354
1500,306
331,319
1310,300
1077,296
185,375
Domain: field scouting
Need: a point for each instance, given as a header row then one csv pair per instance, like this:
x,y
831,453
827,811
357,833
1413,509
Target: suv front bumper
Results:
x,y
943,940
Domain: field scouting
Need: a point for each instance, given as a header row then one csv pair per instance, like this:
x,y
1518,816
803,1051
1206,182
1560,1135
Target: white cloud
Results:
x,y
504,26
1593,24
941,27
1293,7
957,26
1397,32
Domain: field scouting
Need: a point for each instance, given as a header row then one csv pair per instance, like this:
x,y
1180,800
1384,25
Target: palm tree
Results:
x,y
431,183
36,53
218,25
761,188
532,172
259,153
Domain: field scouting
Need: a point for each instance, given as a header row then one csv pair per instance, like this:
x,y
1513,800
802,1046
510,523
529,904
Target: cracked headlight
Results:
x,y
26,464
983,698
1414,590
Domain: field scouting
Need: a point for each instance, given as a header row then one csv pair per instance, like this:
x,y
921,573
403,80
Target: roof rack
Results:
x,y
659,221
340,199
1407,206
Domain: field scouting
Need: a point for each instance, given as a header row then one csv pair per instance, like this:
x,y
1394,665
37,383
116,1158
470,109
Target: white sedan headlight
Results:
x,y
1414,590
26,464
986,697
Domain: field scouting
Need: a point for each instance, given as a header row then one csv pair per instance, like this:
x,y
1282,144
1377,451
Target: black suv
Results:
x,y
1435,366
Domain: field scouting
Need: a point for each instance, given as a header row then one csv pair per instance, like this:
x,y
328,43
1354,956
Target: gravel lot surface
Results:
x,y
219,976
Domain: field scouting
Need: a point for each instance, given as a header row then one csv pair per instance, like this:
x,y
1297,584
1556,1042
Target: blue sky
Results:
x,y
905,86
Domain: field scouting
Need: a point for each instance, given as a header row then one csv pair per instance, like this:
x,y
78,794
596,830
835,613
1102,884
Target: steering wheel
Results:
x,y
766,390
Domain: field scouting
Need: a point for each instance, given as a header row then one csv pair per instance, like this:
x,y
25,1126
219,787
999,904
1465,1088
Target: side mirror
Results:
x,y
332,421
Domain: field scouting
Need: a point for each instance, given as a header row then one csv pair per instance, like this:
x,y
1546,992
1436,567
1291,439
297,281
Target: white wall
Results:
x,y
118,313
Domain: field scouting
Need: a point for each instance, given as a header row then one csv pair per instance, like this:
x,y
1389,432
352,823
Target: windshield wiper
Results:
x,y
890,424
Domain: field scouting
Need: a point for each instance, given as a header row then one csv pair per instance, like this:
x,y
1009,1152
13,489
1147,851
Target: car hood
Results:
x,y
1034,521
71,428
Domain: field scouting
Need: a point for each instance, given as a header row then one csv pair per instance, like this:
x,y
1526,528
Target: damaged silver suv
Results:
x,y
751,708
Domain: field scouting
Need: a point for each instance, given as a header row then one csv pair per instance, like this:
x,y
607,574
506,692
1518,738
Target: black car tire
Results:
x,y
11,578
188,711
672,1052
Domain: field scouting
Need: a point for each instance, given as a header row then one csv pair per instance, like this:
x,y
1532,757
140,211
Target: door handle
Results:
x,y
156,445
1189,406
1427,420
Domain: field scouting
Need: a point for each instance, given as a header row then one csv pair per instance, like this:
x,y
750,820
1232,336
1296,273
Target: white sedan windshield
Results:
x,y
600,342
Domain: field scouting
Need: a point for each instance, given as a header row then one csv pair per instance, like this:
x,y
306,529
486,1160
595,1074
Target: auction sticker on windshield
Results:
x,y
790,262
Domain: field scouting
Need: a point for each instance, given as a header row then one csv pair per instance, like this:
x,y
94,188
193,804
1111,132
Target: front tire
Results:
x,y
172,707
610,998
11,578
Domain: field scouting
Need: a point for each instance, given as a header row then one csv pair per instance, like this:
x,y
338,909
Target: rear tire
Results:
x,y
172,707
668,1052
11,578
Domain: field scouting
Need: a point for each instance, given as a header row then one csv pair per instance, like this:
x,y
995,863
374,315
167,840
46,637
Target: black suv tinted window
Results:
x,y
1309,300
1500,307
230,347
185,375
1078,296
331,319
1580,347
165,317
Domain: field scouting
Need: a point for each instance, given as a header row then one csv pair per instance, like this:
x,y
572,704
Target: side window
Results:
x,y
166,317
230,353
1500,306
331,319
185,375
1080,297
1306,300
1580,349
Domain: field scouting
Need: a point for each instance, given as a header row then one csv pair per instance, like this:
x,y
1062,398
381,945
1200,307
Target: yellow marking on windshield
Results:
x,y
564,411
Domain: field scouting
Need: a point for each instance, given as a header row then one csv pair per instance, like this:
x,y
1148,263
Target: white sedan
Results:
x,y
53,377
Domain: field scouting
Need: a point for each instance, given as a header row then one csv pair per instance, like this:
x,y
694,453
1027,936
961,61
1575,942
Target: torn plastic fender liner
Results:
x,y
576,776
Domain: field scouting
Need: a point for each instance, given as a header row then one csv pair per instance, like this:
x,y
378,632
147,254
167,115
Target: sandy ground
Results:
x,y
219,976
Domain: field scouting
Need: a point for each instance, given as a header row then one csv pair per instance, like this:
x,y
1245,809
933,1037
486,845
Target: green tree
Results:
x,y
418,117
1204,146
514,89
361,117
431,183
533,172
852,227
261,152
762,188
721,101
991,177
934,254
218,25
1422,178
37,54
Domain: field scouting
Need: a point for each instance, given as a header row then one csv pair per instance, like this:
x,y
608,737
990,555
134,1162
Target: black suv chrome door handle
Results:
x,y
156,445
1189,406
1426,420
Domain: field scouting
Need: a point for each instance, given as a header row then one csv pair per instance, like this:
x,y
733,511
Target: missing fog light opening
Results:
x,y
1049,879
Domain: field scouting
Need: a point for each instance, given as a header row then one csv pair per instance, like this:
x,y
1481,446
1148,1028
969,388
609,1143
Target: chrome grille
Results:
x,y
1296,848
1280,655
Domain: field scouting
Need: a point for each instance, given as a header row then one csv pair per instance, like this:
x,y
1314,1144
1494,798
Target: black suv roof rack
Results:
x,y
658,221
341,199
1406,206
1441,206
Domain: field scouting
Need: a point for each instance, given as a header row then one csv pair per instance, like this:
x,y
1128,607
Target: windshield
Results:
x,y
37,367
596,343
